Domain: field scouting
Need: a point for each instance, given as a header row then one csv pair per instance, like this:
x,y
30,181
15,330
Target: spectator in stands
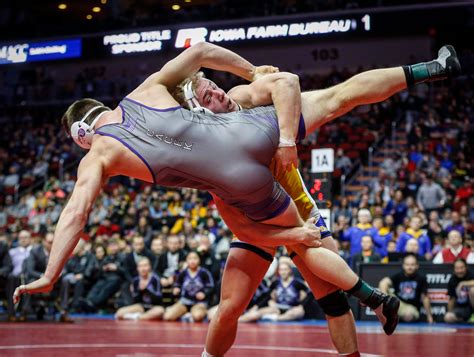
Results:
x,y
461,293
194,286
413,247
146,293
443,147
343,210
13,178
79,273
367,255
440,173
392,247
430,195
414,231
464,192
383,235
112,273
144,230
156,247
18,256
206,255
170,262
446,162
456,223
411,288
454,250
6,268
287,294
397,208
100,253
130,266
34,267
434,228
354,234
342,162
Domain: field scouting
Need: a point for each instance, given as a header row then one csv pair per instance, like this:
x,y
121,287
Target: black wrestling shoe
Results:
x,y
445,66
386,308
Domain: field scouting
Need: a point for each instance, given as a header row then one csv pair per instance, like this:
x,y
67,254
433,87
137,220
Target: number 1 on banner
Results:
x,y
366,21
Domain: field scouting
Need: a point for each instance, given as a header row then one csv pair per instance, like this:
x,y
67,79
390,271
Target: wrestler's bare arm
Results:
x,y
267,235
192,59
90,178
283,91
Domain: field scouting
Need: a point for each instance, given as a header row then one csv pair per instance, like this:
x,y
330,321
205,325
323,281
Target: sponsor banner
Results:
x,y
190,36
136,42
40,51
437,275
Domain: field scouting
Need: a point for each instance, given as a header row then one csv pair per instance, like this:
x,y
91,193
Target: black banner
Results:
x,y
438,276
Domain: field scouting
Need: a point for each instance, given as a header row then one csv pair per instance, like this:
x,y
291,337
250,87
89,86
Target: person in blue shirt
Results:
x,y
362,228
383,236
397,208
414,231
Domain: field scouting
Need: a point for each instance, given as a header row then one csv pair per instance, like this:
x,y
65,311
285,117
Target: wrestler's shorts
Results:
x,y
267,253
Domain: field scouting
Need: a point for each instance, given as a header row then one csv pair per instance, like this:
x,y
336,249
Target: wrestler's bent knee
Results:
x,y
334,304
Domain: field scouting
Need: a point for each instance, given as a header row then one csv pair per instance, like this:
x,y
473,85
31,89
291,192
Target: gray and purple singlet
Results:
x,y
226,154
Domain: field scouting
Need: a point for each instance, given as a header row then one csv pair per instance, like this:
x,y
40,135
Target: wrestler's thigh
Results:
x,y
317,108
289,218
243,272
319,287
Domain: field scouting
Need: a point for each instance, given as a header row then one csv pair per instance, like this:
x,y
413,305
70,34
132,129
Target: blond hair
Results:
x,y
178,93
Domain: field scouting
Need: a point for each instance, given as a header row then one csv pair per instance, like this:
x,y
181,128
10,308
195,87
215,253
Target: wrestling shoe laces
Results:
x,y
446,65
386,308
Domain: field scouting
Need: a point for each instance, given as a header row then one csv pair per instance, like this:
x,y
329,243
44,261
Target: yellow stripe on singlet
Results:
x,y
293,184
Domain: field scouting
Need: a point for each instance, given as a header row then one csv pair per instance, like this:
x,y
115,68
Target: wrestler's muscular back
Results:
x,y
119,160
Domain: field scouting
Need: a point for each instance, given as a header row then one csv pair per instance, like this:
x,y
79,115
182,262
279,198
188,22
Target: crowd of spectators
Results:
x,y
138,246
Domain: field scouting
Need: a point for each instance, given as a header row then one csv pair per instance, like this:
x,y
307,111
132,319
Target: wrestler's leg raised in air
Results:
x,y
320,106
243,273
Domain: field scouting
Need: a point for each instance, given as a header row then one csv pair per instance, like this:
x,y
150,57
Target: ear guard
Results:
x,y
82,132
191,100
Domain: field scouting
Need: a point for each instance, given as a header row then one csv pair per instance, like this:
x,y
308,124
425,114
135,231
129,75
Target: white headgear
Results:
x,y
82,132
193,103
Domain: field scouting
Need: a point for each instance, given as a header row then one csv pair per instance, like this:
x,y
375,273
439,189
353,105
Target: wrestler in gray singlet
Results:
x,y
227,154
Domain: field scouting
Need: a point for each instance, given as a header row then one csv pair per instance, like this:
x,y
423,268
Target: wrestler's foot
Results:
x,y
386,308
445,66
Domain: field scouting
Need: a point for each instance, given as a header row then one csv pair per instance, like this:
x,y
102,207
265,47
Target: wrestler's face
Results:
x,y
210,96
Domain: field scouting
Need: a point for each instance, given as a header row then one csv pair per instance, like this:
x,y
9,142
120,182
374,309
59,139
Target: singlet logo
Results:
x,y
169,140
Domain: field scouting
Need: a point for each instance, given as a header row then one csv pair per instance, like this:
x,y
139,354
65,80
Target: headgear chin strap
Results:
x,y
82,132
192,101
